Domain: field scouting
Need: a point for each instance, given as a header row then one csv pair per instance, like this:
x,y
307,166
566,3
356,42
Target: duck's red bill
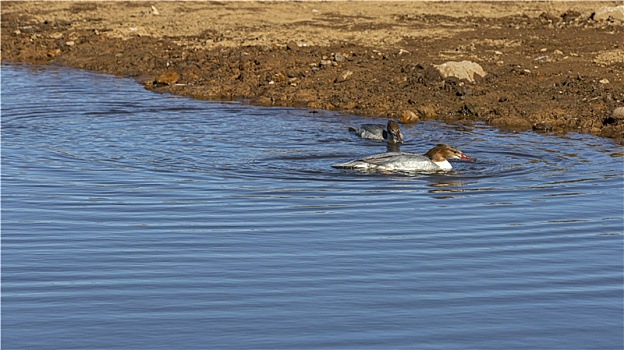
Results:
x,y
465,157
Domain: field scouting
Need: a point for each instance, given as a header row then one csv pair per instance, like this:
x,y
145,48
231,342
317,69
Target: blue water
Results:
x,y
134,220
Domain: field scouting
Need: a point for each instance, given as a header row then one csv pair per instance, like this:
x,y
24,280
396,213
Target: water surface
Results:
x,y
137,220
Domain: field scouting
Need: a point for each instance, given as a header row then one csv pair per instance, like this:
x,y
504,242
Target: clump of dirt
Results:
x,y
550,67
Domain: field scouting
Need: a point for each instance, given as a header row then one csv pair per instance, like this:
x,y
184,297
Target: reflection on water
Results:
x,y
136,220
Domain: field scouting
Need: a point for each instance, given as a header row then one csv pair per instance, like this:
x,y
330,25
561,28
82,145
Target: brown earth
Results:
x,y
551,66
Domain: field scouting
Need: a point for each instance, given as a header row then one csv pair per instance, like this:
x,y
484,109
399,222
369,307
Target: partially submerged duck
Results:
x,y
390,133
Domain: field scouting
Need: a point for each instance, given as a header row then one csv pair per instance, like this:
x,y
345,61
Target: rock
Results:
x,y
604,81
346,75
55,35
53,53
408,117
292,46
618,113
427,112
617,116
167,78
615,12
70,43
460,70
155,11
339,58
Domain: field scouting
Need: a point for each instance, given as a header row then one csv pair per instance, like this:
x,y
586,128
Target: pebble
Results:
x,y
615,12
53,52
339,58
70,43
461,70
604,81
346,75
427,112
618,113
167,78
292,46
408,117
55,36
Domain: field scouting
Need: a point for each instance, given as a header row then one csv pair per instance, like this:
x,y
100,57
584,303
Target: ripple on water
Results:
x,y
142,220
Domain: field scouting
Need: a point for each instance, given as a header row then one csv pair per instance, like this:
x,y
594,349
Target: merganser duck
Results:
x,y
391,133
432,161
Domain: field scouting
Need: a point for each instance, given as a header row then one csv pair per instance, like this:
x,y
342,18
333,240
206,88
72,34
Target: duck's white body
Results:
x,y
432,161
396,161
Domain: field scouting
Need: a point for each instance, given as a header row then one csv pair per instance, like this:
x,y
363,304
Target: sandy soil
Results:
x,y
551,66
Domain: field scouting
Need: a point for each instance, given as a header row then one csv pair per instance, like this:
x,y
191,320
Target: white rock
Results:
x,y
615,12
604,81
461,70
618,113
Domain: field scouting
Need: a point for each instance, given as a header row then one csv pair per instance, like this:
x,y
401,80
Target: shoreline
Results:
x,y
548,67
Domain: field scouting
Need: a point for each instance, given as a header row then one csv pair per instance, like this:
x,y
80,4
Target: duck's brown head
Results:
x,y
441,152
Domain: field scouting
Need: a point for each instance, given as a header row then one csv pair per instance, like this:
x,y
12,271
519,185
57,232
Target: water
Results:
x,y
137,220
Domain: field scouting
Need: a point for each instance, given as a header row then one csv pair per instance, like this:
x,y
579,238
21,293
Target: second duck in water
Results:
x,y
390,133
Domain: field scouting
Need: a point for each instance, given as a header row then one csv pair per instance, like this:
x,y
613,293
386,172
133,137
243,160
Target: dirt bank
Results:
x,y
551,67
